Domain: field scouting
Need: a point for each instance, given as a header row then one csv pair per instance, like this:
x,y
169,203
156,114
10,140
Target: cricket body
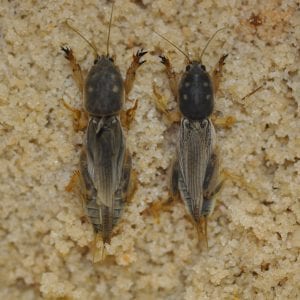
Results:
x,y
105,163
105,168
195,170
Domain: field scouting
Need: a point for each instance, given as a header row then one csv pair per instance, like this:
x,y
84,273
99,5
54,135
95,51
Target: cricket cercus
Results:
x,y
105,163
195,170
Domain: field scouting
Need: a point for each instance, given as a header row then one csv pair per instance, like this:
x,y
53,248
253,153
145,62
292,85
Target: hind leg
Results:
x,y
211,185
89,194
86,181
174,177
156,207
126,189
73,183
129,178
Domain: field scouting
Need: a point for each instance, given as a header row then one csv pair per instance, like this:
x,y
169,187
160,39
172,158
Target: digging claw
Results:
x,y
140,53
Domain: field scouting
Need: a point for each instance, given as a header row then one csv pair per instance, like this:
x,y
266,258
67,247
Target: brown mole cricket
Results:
x,y
105,163
195,170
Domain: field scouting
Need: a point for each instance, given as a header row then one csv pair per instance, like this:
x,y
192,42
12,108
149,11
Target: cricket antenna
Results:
x,y
109,26
251,93
208,42
89,43
173,45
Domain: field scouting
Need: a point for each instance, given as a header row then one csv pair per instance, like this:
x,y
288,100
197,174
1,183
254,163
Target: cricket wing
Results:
x,y
194,152
212,185
122,191
106,150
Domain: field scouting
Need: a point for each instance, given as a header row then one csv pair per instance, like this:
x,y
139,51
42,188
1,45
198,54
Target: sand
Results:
x,y
254,235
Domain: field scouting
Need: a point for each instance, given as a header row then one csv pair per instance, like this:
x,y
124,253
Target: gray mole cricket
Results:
x,y
105,163
195,170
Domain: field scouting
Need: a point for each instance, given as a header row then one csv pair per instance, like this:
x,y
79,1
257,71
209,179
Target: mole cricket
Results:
x,y
195,169
105,174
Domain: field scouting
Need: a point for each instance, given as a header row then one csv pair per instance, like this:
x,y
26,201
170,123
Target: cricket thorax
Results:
x,y
104,89
196,93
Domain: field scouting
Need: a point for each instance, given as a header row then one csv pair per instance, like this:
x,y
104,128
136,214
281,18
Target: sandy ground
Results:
x,y
254,235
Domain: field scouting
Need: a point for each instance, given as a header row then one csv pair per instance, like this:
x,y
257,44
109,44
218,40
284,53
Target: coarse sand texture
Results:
x,y
253,234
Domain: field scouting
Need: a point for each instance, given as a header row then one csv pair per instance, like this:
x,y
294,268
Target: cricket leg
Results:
x,y
131,72
225,122
156,207
76,69
211,184
80,117
128,115
129,179
92,209
217,73
172,76
89,194
133,185
74,181
173,116
211,187
125,190
174,176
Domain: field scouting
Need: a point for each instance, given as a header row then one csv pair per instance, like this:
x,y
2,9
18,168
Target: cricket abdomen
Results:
x,y
93,212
